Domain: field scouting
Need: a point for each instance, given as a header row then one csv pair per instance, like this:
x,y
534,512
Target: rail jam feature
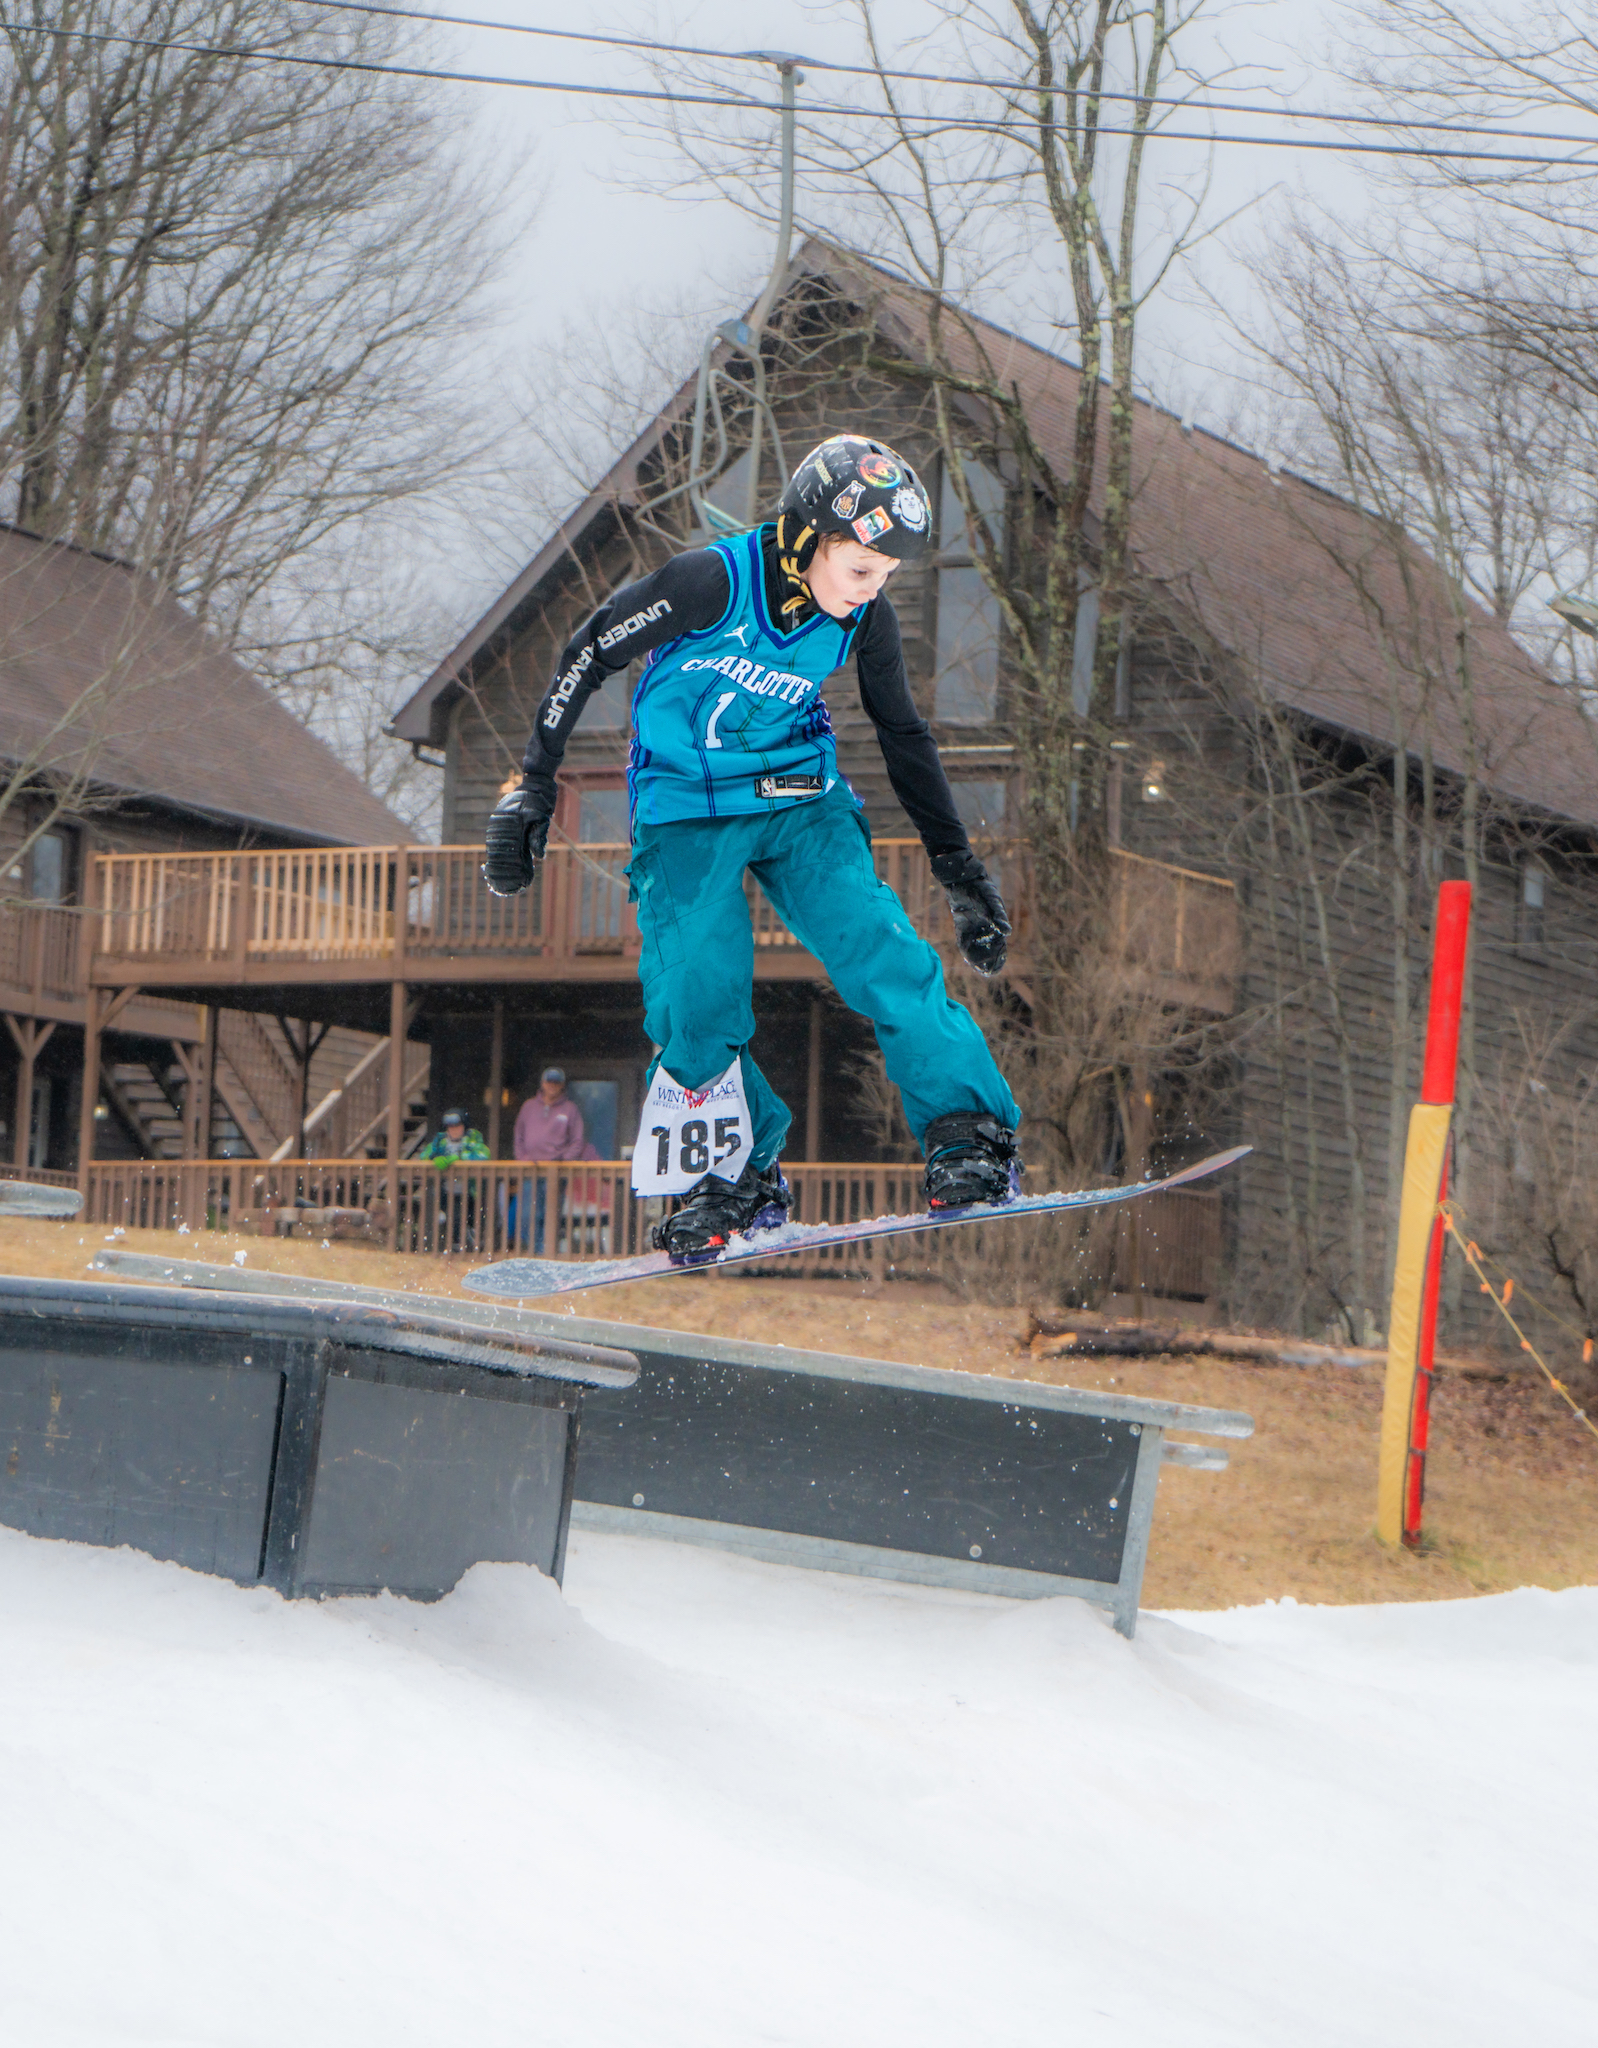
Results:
x,y
862,1466
314,1446
58,1199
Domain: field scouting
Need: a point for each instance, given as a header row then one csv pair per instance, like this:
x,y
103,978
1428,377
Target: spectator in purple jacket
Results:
x,y
548,1126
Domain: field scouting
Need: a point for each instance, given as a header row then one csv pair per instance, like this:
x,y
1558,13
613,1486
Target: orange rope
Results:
x,y
1501,1302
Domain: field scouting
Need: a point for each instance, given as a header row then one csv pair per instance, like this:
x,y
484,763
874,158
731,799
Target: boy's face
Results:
x,y
845,575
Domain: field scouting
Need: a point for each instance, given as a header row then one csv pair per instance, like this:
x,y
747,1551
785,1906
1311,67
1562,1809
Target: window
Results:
x,y
602,818
598,1102
607,709
1531,923
1084,646
50,868
966,652
1154,789
981,807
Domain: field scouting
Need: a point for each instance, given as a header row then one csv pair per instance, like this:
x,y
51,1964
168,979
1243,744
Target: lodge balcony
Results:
x,y
203,923
45,951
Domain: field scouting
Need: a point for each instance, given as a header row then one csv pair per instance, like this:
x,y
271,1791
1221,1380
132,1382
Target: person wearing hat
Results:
x,y
454,1140
733,768
549,1125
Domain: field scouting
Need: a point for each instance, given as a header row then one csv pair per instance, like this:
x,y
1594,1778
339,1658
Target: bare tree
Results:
x,y
1436,363
234,294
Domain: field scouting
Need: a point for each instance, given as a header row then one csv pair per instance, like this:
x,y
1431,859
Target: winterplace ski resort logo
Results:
x,y
665,1094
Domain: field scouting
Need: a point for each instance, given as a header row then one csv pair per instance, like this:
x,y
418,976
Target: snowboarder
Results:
x,y
733,766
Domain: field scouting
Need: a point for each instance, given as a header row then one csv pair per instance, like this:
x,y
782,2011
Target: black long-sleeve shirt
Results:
x,y
688,595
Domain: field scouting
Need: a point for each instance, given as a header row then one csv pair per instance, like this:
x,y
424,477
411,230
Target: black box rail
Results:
x,y
847,1464
316,1447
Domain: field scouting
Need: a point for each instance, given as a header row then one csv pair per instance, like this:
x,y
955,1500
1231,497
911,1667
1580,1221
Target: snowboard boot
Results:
x,y
971,1157
714,1210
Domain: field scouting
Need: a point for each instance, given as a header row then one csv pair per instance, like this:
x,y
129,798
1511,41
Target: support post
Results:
x,y
396,1101
1417,1270
30,1037
188,1059
23,1125
813,1085
205,1080
496,1076
303,1048
93,1016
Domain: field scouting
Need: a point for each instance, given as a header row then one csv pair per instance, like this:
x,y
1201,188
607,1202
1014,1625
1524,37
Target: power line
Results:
x,y
1207,106
925,126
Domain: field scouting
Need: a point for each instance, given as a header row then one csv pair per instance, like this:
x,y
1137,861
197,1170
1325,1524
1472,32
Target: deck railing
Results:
x,y
1175,928
422,902
39,951
586,1209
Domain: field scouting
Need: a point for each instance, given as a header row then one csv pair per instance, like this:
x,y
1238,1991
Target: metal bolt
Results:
x,y
638,1500
976,1550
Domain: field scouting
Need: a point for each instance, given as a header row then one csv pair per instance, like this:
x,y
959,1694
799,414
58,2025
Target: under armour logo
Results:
x,y
737,633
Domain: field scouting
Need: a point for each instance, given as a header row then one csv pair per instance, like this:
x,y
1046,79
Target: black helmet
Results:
x,y
856,487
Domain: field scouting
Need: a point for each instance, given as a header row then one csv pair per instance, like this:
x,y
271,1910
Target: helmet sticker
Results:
x,y
910,509
821,468
879,471
874,523
847,502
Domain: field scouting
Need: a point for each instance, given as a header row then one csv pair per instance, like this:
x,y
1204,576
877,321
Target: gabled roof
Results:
x,y
101,674
1283,577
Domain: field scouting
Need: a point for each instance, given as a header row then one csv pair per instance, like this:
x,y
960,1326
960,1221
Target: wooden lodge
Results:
x,y
1270,927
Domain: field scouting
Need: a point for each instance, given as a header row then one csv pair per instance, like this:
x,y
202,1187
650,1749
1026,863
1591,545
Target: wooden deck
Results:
x,y
421,914
44,967
414,913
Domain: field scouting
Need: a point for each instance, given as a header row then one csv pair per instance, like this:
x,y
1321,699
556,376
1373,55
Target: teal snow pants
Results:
x,y
814,864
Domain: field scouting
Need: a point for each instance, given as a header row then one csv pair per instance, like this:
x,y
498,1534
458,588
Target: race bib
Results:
x,y
685,1133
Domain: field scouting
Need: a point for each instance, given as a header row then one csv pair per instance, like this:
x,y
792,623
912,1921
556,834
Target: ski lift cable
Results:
x,y
1205,106
923,127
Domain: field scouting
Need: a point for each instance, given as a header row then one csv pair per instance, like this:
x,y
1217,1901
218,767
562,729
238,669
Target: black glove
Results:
x,y
977,908
517,831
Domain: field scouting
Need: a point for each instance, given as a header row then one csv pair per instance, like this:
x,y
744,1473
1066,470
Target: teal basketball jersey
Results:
x,y
732,719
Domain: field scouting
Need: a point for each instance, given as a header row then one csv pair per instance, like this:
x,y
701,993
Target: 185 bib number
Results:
x,y
685,1133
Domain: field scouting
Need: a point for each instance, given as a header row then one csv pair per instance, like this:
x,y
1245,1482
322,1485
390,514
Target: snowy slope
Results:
x,y
708,1802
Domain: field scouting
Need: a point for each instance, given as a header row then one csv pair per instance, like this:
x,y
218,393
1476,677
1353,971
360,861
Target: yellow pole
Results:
x,y
1423,1179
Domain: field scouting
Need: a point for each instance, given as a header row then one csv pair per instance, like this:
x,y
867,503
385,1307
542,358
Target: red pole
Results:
x,y
1437,1086
1448,988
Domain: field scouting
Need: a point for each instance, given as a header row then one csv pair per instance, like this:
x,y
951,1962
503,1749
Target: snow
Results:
x,y
707,1801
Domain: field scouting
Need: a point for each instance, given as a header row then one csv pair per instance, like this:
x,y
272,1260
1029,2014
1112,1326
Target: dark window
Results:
x,y
981,807
1533,906
50,867
966,656
602,818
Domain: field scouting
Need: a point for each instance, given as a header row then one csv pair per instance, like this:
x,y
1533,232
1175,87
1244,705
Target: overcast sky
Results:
x,y
599,248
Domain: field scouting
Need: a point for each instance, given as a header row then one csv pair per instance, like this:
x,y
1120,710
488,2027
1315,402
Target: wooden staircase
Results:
x,y
256,1097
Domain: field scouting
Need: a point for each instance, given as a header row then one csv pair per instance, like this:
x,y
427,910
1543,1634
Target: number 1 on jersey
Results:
x,y
710,723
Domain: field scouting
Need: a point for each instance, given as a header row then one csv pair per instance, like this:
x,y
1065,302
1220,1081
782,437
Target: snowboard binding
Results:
x,y
715,1210
971,1157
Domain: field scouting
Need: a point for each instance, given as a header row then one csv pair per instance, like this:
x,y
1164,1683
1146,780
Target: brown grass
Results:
x,y
1512,1487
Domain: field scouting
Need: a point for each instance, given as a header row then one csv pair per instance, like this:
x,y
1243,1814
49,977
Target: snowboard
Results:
x,y
522,1278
